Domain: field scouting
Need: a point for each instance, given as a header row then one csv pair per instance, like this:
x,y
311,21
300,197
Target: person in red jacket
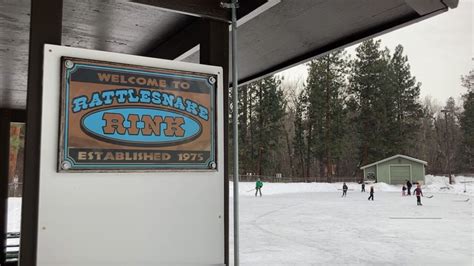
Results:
x,y
418,193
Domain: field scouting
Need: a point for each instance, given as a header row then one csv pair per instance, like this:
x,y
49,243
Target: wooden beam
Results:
x,y
247,6
192,35
203,8
5,118
179,43
45,28
214,50
16,115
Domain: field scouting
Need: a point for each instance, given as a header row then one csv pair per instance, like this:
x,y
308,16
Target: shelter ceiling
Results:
x,y
288,33
116,26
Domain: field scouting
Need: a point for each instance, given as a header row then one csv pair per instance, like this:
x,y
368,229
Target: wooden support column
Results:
x,y
5,119
45,28
214,50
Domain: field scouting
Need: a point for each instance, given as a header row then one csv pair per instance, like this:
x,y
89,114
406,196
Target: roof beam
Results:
x,y
192,35
15,115
204,8
179,43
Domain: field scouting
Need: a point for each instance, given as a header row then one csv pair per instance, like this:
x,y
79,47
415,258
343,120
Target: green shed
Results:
x,y
396,170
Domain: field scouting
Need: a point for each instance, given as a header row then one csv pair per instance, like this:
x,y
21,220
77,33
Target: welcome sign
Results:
x,y
124,117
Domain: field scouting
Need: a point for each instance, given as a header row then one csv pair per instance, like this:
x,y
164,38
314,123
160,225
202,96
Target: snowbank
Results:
x,y
433,184
440,184
14,214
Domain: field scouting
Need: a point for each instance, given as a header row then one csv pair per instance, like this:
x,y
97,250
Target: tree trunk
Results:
x,y
290,157
308,153
327,160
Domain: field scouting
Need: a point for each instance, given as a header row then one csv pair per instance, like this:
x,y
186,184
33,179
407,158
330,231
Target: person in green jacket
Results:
x,y
258,187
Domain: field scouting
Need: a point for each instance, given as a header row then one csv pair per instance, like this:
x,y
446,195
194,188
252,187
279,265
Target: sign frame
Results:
x,y
68,164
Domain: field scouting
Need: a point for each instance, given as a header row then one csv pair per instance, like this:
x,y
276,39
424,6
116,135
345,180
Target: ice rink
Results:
x,y
310,224
321,228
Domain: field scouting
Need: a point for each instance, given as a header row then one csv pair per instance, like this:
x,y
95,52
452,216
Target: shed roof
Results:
x,y
273,34
393,157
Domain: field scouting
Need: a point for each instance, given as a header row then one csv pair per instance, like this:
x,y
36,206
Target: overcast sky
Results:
x,y
439,50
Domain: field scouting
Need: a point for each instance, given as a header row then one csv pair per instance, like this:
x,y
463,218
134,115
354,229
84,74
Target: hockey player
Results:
x,y
371,197
344,190
258,187
418,193
409,185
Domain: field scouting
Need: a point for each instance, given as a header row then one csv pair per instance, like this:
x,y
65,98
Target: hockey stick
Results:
x,y
466,200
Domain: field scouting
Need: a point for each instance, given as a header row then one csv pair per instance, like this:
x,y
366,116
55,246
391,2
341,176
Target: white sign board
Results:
x,y
159,217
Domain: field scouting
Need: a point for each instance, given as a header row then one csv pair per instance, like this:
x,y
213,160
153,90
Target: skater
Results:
x,y
409,185
344,190
363,187
371,197
404,189
258,187
418,194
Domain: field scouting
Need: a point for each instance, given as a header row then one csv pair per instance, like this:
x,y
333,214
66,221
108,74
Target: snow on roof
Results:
x,y
393,157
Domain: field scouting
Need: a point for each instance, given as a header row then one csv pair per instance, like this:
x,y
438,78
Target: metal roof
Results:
x,y
276,34
393,157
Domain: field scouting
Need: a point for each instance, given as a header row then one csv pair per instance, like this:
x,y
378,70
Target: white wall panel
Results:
x,y
98,219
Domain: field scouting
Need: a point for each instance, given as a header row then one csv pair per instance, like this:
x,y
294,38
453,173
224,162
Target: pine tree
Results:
x,y
325,86
244,140
467,124
368,85
405,92
269,112
262,108
299,144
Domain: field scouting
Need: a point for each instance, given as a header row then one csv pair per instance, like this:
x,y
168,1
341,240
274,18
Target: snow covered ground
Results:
x,y
14,221
14,214
310,224
433,184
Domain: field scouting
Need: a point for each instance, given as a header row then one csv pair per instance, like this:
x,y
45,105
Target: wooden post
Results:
x,y
214,50
45,28
5,119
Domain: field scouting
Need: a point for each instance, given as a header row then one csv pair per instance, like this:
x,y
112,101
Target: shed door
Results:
x,y
399,173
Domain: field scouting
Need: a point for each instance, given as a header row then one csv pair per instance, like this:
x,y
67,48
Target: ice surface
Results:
x,y
433,184
14,221
310,224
